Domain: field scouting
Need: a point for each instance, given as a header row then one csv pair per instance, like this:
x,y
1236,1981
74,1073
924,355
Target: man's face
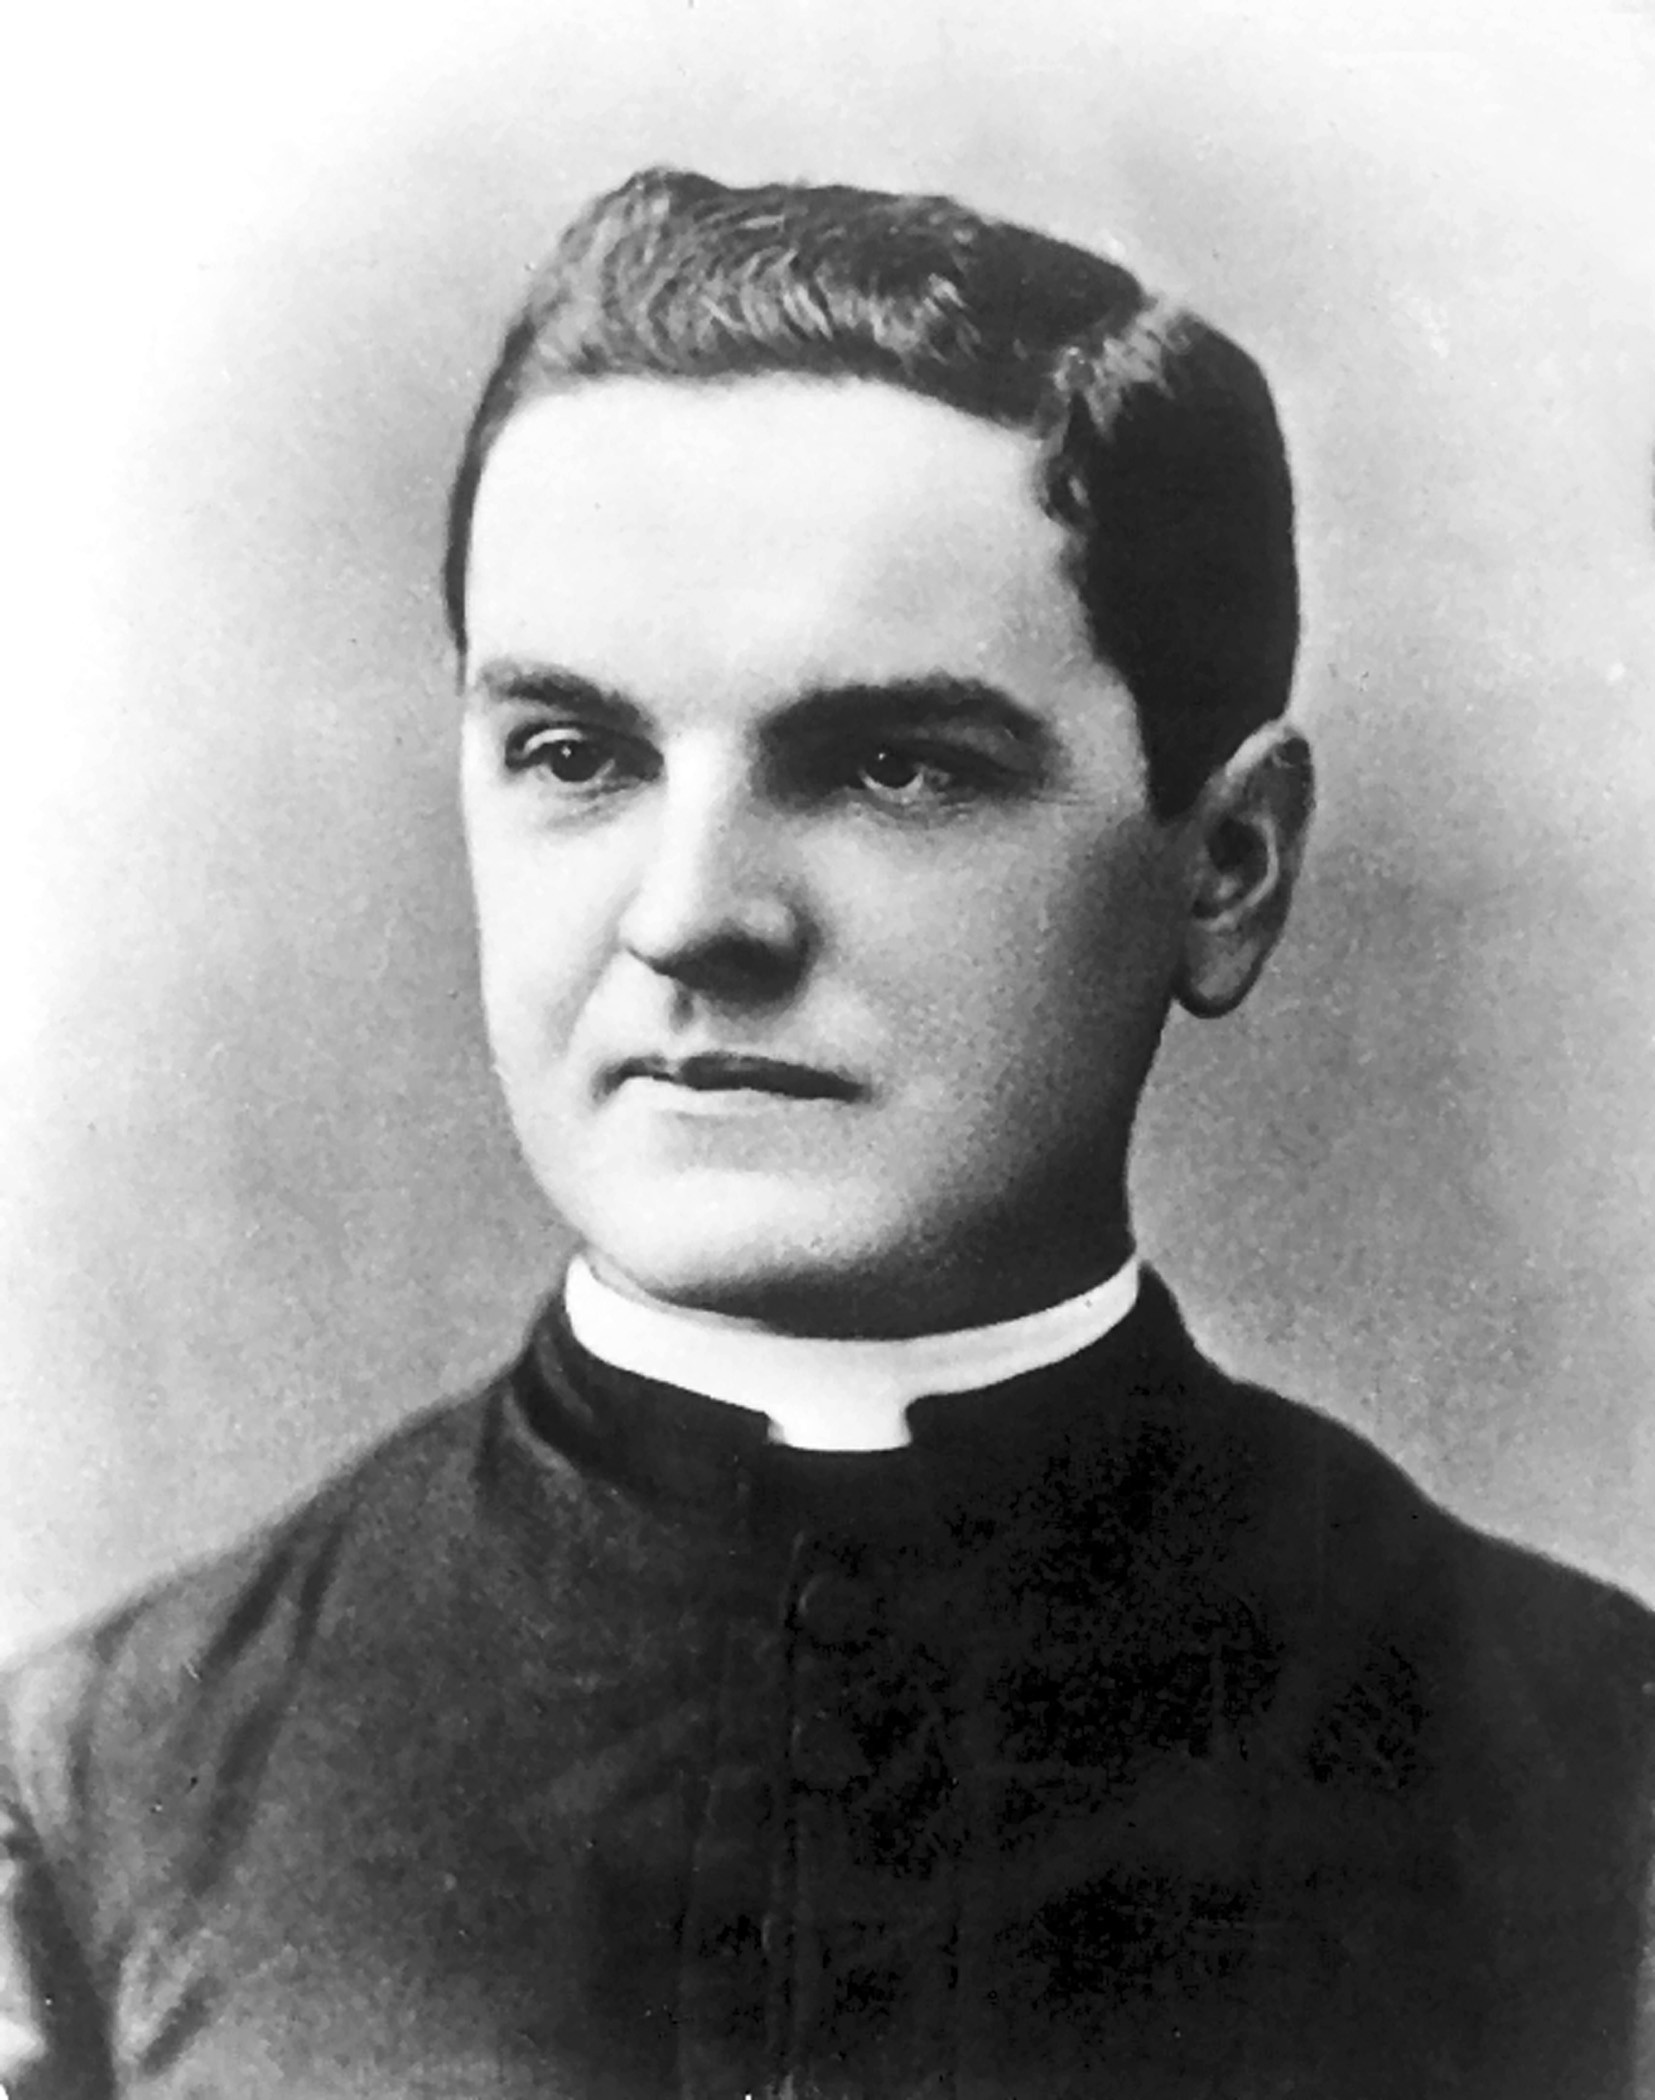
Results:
x,y
826,932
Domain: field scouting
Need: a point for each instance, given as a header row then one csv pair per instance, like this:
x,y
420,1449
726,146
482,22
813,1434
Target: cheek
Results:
x,y
540,946
1040,992
1033,935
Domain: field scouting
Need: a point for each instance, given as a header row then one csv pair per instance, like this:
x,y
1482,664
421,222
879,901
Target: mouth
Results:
x,y
718,1072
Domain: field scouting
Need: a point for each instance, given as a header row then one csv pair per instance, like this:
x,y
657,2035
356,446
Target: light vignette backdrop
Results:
x,y
257,1200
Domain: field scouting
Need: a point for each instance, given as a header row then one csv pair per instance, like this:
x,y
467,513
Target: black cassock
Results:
x,y
1131,1732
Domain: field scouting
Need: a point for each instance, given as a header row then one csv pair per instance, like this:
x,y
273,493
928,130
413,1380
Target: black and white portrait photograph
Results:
x,y
827,1073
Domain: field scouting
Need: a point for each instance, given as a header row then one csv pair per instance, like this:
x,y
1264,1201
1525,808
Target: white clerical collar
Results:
x,y
830,1395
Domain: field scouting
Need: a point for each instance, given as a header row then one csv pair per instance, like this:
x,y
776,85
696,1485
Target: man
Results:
x,y
861,1650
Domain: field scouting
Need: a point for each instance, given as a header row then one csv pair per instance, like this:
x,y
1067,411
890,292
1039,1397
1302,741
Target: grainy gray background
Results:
x,y
256,1198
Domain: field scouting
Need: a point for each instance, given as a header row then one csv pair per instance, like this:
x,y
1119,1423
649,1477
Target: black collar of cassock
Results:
x,y
967,1451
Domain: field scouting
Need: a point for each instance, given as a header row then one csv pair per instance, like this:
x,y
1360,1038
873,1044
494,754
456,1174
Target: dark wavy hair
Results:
x,y
1159,447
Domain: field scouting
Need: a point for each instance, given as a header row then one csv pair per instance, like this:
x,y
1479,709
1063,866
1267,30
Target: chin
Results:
x,y
741,1277
791,1265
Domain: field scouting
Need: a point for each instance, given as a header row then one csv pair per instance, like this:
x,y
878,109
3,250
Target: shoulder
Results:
x,y
103,1699
1502,1641
1370,1511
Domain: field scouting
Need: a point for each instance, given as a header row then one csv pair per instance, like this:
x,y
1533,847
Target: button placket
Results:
x,y
836,1615
839,1610
873,1945
735,1936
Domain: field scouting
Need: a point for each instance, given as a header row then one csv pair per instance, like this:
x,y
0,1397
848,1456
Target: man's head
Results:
x,y
871,616
1157,443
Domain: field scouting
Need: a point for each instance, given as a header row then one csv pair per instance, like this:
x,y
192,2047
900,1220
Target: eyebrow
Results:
x,y
932,697
508,681
936,698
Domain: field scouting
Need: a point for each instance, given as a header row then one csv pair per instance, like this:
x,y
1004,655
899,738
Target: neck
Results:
x,y
831,1394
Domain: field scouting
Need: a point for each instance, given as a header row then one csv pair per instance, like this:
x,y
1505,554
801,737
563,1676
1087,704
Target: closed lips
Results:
x,y
712,1073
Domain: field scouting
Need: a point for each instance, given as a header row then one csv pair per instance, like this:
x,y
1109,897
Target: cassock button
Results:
x,y
837,1610
826,1755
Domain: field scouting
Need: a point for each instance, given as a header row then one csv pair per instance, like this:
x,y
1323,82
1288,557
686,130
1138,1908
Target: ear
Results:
x,y
1247,833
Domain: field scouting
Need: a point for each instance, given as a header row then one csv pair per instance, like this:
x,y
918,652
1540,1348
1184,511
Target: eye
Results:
x,y
900,775
570,755
574,759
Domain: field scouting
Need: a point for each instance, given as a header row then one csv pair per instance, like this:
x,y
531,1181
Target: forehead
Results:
x,y
774,529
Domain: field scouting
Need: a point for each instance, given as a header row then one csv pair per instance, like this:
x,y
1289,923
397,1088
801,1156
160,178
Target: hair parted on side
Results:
x,y
1159,444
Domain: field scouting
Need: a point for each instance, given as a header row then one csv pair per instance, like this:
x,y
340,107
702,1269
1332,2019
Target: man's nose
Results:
x,y
716,906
